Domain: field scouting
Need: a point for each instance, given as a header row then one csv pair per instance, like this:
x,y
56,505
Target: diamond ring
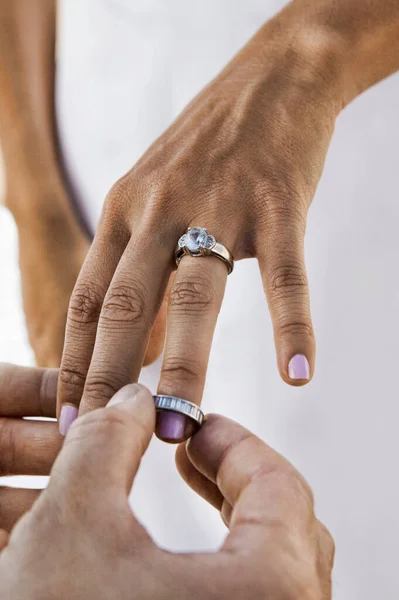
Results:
x,y
197,242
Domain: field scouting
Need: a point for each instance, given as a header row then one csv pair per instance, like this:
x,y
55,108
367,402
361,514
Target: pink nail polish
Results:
x,y
298,367
173,427
68,415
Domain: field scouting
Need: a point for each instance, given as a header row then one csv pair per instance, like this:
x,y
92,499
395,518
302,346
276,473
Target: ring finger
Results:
x,y
194,304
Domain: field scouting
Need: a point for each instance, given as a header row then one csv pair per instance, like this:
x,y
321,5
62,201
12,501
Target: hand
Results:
x,y
80,539
52,249
243,160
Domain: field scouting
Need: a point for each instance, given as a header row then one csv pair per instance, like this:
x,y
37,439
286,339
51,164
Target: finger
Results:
x,y
200,484
194,304
82,320
282,265
127,316
27,392
267,494
28,447
205,488
103,449
14,503
3,539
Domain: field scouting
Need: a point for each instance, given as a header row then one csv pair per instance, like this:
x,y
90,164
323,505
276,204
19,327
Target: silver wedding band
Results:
x,y
178,405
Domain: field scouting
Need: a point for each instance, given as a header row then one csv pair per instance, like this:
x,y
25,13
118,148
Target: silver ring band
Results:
x,y
189,409
197,242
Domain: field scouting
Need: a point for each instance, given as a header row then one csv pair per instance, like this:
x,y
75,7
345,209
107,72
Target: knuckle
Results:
x,y
327,541
301,489
114,222
72,377
295,328
280,198
7,448
180,369
284,185
292,481
288,279
192,296
85,304
118,191
118,197
125,304
101,389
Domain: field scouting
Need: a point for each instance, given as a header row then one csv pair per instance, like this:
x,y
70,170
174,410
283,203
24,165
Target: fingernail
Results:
x,y
298,367
127,393
68,415
173,427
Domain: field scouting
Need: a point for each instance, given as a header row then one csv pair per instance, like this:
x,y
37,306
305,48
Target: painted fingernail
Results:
x,y
298,367
68,415
173,427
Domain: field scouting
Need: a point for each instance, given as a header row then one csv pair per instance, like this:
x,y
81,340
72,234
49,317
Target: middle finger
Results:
x,y
126,319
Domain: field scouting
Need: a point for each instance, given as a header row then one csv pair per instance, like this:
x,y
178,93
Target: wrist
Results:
x,y
349,44
301,61
40,203
28,148
328,51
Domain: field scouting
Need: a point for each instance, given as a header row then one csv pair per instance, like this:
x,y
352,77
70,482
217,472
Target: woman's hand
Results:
x,y
94,548
243,160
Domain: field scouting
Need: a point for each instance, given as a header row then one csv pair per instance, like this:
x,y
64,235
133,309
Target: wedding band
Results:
x,y
178,405
197,242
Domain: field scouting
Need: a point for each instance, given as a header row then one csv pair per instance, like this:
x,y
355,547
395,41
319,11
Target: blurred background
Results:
x,y
14,346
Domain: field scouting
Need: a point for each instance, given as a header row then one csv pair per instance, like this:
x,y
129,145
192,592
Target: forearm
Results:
x,y
359,39
27,129
369,33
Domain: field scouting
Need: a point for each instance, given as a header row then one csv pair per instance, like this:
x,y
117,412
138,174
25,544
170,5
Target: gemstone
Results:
x,y
196,238
182,241
210,242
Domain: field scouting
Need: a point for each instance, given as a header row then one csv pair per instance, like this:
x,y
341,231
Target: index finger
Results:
x,y
27,391
263,488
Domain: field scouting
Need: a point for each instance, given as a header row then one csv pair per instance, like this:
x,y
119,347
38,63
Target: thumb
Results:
x,y
103,449
263,489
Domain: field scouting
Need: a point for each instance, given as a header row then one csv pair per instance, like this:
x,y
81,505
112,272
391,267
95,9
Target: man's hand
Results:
x,y
26,447
81,540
